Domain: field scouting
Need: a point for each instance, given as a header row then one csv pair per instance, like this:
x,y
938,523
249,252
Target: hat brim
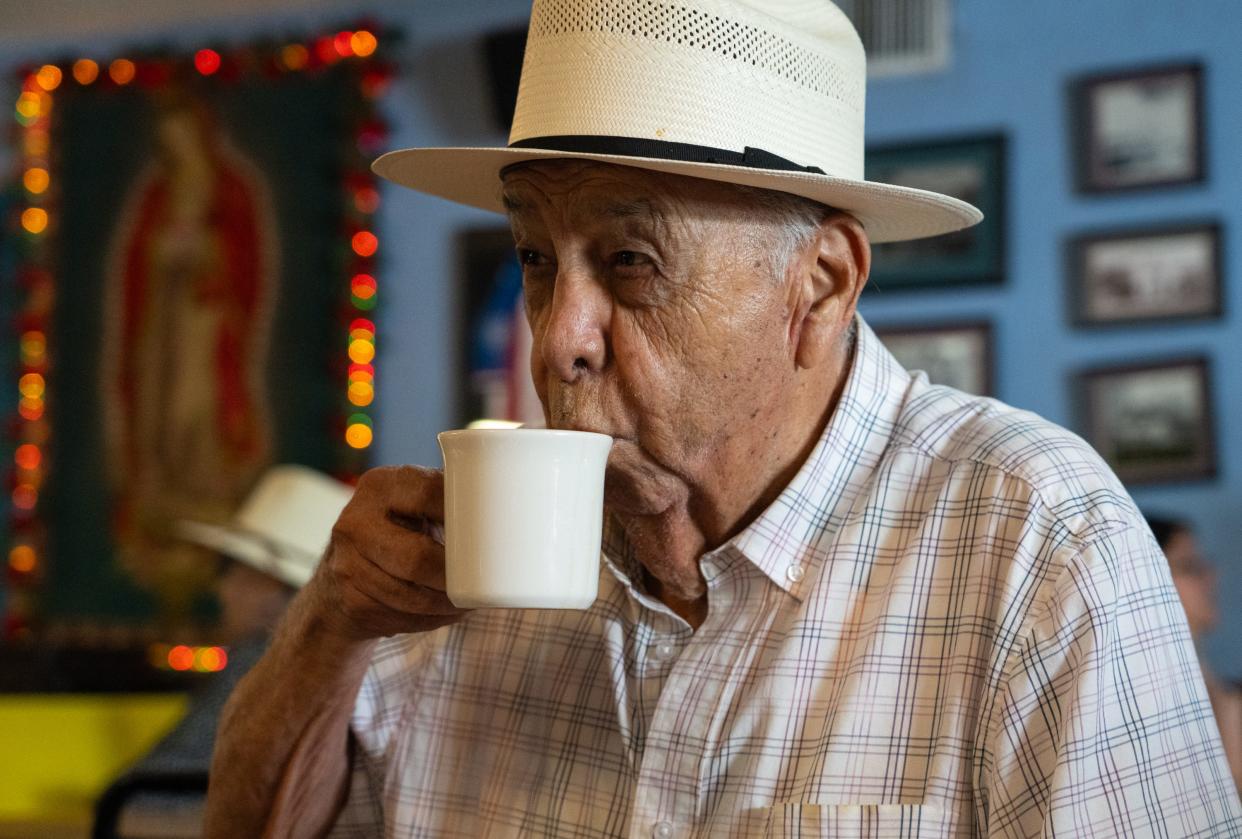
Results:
x,y
246,548
889,213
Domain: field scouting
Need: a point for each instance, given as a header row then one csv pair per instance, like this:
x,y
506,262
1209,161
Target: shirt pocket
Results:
x,y
854,821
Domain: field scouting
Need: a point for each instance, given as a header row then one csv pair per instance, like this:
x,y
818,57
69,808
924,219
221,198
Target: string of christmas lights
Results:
x,y
359,50
30,430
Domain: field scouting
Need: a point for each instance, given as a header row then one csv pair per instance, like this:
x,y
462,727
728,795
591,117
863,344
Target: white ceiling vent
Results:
x,y
902,37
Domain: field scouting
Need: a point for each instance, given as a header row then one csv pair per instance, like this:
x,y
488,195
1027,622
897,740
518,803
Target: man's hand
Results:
x,y
281,764
383,573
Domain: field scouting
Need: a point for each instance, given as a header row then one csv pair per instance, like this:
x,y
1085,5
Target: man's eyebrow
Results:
x,y
638,208
512,203
629,209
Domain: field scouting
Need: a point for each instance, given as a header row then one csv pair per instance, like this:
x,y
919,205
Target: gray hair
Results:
x,y
795,221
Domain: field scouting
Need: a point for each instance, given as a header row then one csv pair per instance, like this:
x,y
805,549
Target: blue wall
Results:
x,y
1009,71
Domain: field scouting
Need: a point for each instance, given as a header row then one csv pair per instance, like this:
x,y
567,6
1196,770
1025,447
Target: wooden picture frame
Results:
x,y
1140,128
958,354
1152,422
1152,274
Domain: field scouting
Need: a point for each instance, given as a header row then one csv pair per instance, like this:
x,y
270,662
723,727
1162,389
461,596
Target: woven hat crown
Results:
x,y
787,77
760,93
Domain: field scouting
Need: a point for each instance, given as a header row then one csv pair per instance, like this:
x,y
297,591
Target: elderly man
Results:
x,y
835,600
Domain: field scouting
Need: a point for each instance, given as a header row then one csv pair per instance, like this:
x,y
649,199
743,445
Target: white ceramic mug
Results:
x,y
523,516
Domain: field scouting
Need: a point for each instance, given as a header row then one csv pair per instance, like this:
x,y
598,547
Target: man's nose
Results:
x,y
575,341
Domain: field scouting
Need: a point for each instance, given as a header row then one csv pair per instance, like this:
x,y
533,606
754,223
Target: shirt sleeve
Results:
x,y
1103,725
377,711
362,816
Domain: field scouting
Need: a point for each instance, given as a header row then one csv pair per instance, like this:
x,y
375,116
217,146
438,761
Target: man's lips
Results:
x,y
634,482
582,426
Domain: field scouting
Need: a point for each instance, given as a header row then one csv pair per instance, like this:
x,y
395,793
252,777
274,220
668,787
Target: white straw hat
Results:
x,y
283,527
764,93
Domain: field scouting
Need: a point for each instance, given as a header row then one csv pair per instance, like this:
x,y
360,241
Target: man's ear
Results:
x,y
831,275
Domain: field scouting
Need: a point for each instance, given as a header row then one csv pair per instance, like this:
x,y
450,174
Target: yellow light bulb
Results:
x,y
358,436
361,352
29,105
361,394
31,386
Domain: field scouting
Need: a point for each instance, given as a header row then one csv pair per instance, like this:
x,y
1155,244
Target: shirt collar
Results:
x,y
784,541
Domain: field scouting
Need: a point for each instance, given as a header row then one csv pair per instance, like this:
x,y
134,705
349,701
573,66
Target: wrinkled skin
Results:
x,y
657,320
383,573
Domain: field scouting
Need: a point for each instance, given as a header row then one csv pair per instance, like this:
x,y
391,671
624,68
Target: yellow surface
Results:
x,y
59,751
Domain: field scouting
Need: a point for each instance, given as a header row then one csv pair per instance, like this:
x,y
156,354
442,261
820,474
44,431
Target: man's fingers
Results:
x,y
376,619
407,490
403,555
372,582
384,563
418,524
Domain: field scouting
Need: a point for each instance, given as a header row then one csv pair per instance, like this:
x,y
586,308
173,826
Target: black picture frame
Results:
x,y
492,338
1138,128
1152,274
959,354
1152,422
972,168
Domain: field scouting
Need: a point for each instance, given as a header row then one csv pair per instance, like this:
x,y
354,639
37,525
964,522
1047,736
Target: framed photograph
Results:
x,y
972,169
955,354
493,337
1141,275
1139,128
1151,422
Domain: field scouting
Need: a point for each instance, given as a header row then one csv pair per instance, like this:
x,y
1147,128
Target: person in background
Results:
x,y
268,551
1195,581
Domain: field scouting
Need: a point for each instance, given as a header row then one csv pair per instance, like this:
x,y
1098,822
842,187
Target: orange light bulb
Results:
x,y
85,71
49,77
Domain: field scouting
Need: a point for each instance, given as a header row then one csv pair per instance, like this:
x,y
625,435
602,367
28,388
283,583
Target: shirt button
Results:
x,y
662,830
664,651
794,573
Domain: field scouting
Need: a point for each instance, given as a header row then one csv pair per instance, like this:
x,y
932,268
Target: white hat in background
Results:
x,y
762,93
283,527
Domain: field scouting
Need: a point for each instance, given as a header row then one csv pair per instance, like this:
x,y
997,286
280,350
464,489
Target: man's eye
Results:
x,y
526,256
626,259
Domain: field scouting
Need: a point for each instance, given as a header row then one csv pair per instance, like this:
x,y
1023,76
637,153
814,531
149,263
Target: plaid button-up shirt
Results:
x,y
952,622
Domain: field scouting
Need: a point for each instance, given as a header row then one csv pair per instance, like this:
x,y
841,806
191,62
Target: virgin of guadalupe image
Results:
x,y
188,308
